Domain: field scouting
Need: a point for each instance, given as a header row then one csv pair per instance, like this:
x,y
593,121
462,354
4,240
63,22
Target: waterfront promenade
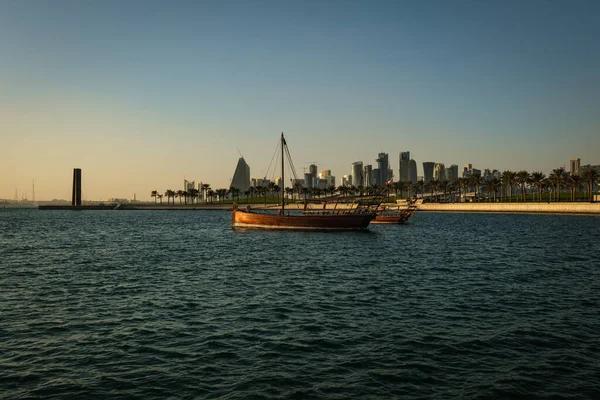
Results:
x,y
510,208
502,208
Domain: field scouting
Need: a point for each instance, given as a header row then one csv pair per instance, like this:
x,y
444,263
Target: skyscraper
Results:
x,y
428,170
367,175
403,172
312,169
326,180
467,170
412,171
383,166
241,176
308,180
439,173
187,185
575,164
452,173
357,173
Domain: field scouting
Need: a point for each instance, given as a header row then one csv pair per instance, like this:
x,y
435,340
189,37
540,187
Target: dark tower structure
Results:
x,y
76,199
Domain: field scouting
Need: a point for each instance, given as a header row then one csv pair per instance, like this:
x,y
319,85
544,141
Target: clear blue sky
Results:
x,y
143,94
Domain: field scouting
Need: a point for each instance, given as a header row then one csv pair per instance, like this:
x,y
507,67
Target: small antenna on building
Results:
x,y
241,155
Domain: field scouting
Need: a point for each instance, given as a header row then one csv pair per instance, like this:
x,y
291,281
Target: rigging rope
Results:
x,y
275,153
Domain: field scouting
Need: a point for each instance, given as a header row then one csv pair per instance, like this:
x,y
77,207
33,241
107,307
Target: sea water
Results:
x,y
152,304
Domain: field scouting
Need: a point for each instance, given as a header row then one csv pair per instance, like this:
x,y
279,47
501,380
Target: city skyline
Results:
x,y
141,97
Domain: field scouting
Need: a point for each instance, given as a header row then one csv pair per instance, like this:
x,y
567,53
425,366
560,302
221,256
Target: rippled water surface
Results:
x,y
152,304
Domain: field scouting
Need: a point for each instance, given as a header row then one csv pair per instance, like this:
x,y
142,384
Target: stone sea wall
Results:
x,y
547,208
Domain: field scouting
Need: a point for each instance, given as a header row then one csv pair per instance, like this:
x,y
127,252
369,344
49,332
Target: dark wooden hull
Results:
x,y
380,219
244,219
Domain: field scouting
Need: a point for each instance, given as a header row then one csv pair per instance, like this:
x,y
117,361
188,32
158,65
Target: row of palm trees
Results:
x,y
512,185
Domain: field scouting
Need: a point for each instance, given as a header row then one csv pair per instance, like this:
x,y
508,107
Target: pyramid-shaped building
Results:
x,y
241,176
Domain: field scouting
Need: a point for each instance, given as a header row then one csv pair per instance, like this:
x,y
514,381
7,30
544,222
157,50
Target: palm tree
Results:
x,y
430,187
235,193
444,187
475,183
521,179
210,194
590,176
558,175
191,194
298,188
462,183
537,179
271,188
160,197
331,190
205,186
170,194
222,194
574,182
289,192
263,191
420,185
397,187
276,190
154,194
508,180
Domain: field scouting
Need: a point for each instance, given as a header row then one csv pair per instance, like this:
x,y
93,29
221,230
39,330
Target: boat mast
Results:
x,y
282,177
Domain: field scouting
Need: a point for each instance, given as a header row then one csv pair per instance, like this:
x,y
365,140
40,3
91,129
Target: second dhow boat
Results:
x,y
357,217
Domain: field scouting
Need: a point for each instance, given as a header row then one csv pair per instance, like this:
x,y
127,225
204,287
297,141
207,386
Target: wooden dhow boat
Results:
x,y
356,217
394,215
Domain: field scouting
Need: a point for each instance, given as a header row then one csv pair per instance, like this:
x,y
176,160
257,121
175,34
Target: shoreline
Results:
x,y
565,208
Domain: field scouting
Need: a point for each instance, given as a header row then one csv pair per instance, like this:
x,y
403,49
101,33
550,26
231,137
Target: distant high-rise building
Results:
x,y
346,180
241,176
187,185
487,174
575,164
403,171
313,171
383,166
326,180
308,180
367,175
412,171
357,173
439,173
428,167
476,171
375,176
467,170
452,173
